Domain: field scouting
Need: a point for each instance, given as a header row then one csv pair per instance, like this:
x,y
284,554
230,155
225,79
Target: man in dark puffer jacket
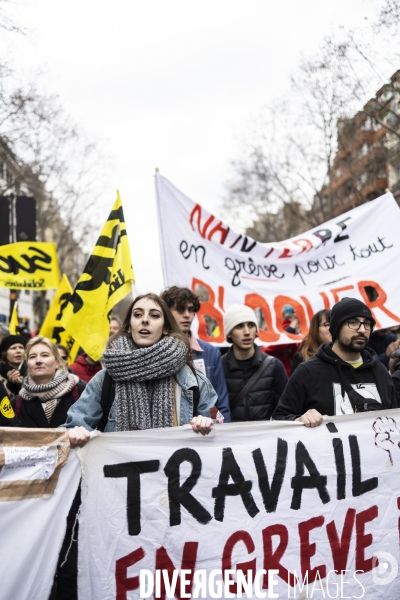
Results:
x,y
242,361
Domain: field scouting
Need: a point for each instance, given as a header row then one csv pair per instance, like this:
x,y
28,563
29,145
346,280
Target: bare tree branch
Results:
x,y
297,141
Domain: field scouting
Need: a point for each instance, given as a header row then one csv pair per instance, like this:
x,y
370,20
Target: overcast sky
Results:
x,y
169,84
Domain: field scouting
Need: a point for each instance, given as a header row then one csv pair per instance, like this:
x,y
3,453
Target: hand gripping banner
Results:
x,y
354,254
29,265
106,279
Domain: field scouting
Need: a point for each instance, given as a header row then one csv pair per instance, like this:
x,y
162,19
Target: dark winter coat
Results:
x,y
379,343
297,360
260,402
396,383
30,413
316,384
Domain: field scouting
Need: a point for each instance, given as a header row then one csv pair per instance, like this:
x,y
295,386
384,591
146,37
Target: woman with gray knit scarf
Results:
x,y
151,382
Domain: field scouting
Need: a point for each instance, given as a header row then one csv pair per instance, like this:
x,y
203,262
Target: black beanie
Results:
x,y
10,340
346,309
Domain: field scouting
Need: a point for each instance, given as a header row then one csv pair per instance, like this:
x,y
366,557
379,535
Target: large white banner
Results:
x,y
288,503
355,254
39,478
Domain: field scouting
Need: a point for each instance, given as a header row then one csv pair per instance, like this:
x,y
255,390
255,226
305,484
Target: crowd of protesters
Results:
x,y
155,373
340,352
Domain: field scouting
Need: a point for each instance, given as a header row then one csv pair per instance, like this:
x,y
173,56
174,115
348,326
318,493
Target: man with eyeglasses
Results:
x,y
343,377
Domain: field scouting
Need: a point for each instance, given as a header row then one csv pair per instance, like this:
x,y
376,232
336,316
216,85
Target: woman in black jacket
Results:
x,y
318,334
12,365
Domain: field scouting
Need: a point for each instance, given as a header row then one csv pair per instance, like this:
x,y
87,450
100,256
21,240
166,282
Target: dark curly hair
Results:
x,y
178,298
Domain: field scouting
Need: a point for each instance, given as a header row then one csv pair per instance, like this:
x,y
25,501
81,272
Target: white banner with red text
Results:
x,y
284,509
353,255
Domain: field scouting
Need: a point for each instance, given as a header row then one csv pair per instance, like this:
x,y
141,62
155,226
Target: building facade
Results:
x,y
367,163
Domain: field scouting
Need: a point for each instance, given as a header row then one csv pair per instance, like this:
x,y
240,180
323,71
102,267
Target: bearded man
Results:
x,y
343,377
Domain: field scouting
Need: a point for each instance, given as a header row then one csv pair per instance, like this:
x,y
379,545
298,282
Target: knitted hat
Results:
x,y
348,308
288,310
10,340
236,314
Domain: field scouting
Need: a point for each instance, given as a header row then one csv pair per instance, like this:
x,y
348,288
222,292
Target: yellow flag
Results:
x,y
52,327
14,320
216,333
29,265
106,279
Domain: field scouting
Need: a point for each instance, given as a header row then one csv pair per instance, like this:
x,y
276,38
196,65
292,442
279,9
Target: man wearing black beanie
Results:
x,y
343,377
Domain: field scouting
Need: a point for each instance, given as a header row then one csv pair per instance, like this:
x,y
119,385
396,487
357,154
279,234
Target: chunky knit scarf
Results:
x,y
143,381
50,393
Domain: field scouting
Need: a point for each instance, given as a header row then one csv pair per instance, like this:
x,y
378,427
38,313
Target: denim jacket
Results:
x,y
87,412
215,373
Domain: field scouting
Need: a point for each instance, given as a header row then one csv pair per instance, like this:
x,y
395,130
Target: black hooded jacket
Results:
x,y
316,384
396,382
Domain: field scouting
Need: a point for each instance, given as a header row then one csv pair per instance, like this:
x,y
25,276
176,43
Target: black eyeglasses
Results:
x,y
356,324
63,357
326,324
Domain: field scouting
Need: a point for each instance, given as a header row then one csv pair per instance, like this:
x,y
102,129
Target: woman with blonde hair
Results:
x,y
48,390
46,395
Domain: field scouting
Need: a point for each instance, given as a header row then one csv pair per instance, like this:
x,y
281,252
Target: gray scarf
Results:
x,y
143,381
50,393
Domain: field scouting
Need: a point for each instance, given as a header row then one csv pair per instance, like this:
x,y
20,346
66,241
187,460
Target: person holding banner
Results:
x,y
46,394
343,377
148,381
12,365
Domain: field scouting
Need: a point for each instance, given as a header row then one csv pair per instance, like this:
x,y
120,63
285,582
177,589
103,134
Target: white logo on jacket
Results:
x,y
343,404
